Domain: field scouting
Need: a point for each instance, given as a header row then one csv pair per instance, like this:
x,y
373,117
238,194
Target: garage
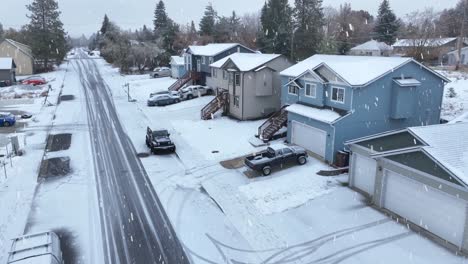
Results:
x,y
436,211
310,138
364,170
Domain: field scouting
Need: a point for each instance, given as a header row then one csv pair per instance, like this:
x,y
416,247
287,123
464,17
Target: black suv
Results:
x,y
159,141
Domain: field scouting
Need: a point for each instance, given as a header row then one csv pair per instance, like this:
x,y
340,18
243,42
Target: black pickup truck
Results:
x,y
276,156
159,141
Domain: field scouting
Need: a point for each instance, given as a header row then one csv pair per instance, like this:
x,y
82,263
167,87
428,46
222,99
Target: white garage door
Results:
x,y
310,138
440,213
364,170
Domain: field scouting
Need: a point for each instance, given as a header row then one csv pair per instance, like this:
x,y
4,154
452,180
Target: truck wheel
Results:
x,y
6,123
302,160
266,170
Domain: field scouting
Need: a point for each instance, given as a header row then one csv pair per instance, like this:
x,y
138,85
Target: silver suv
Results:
x,y
193,91
161,72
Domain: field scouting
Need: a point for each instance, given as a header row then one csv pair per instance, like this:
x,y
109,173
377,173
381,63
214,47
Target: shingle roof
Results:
x,y
434,42
246,61
211,49
448,144
373,45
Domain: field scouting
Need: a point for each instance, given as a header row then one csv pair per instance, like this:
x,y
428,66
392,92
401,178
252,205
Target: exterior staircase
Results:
x,y
189,76
273,124
215,105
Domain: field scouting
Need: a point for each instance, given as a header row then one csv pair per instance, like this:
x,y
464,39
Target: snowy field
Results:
x,y
223,216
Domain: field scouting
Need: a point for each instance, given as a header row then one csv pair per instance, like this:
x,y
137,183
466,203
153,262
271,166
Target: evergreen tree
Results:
x,y
105,25
193,29
308,23
276,27
387,24
146,34
168,37
207,23
45,31
234,23
2,32
161,20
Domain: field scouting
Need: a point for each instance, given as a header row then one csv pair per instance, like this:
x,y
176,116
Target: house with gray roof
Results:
x,y
21,54
419,174
372,48
331,99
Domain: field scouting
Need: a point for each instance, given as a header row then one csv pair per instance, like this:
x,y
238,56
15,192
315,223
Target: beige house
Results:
x,y
21,54
252,83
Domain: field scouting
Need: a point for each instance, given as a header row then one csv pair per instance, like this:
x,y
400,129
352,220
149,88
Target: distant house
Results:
x,y
198,58
419,174
432,49
331,99
252,83
21,54
178,67
451,57
372,48
7,71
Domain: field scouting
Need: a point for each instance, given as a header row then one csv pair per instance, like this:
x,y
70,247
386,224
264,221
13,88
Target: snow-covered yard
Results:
x,y
293,216
455,102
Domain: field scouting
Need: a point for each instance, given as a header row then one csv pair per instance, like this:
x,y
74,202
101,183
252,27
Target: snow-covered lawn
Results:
x,y
455,102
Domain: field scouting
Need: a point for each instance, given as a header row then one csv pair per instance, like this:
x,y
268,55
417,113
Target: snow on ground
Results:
x,y
17,190
455,105
220,215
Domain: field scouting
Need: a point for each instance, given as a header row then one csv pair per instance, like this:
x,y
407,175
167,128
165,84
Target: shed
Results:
x,y
7,71
178,67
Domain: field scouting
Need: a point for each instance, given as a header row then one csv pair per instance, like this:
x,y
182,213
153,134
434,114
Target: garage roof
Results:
x,y
320,114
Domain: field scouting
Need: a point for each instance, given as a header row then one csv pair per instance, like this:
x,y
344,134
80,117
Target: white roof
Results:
x,y
356,70
373,45
246,61
324,115
434,42
177,60
211,49
21,47
448,144
6,63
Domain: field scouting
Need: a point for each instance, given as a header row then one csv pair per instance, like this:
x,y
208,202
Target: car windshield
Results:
x,y
161,133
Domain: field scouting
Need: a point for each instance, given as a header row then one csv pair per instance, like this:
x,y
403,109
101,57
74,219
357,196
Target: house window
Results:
x,y
203,59
237,79
236,101
214,72
211,60
292,89
225,75
310,90
338,94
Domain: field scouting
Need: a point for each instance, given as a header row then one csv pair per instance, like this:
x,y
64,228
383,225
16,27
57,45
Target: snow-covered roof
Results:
x,y
407,82
212,49
6,63
177,60
355,70
246,61
448,144
21,47
373,45
324,115
433,42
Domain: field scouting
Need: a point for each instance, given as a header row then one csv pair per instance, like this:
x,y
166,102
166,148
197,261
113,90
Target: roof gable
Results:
x,y
246,61
177,60
373,45
213,49
25,49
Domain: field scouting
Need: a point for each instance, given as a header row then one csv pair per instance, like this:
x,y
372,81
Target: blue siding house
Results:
x,y
197,59
331,99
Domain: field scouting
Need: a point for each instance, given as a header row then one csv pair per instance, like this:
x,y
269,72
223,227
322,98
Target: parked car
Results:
x,y
34,80
7,119
161,72
174,93
193,91
41,248
276,156
159,141
163,99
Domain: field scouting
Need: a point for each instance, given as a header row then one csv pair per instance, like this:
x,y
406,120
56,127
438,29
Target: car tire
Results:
x,y
177,101
266,170
6,124
189,97
301,160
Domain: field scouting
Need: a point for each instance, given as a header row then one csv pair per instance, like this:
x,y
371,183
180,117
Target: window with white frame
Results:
x,y
211,60
237,79
203,59
214,72
310,90
292,89
225,75
338,94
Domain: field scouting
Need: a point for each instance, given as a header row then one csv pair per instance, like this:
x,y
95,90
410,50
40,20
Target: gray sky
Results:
x,y
85,16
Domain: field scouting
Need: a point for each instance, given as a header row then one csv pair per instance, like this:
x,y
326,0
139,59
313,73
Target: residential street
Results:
x,y
135,227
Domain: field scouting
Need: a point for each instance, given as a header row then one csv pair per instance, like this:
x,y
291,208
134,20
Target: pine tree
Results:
x,y
276,27
193,29
168,37
387,24
45,31
207,23
161,20
308,23
105,25
234,23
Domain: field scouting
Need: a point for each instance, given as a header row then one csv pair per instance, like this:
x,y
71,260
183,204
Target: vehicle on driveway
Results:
x,y
34,80
193,91
276,156
43,248
163,99
161,72
174,93
159,141
7,119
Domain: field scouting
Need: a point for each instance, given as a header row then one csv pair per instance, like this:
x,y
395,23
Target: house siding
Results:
x,y
7,75
24,63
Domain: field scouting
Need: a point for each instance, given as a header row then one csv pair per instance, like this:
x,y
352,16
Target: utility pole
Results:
x,y
461,40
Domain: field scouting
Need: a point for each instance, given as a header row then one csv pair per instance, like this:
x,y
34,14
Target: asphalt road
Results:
x,y
135,226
